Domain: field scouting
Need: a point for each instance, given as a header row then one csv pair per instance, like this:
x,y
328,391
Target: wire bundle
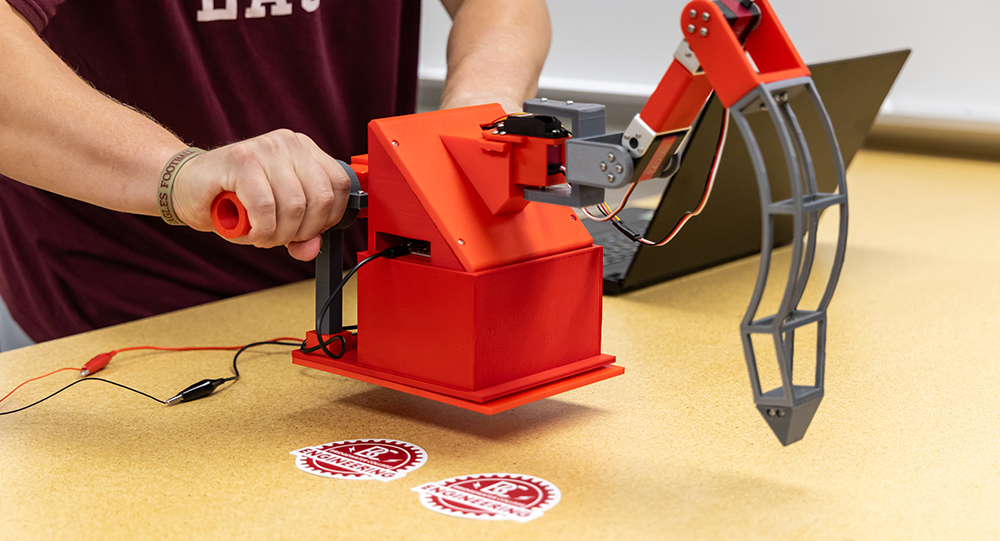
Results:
x,y
100,361
612,215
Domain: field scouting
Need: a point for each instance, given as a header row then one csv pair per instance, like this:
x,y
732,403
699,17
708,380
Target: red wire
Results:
x,y
616,211
199,348
708,187
38,378
710,183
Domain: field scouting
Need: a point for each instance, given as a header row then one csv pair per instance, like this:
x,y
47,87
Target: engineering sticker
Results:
x,y
384,460
490,496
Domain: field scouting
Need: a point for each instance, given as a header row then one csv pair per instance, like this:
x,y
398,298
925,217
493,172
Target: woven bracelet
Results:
x,y
165,193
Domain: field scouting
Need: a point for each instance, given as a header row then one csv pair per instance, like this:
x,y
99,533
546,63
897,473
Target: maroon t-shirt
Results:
x,y
214,72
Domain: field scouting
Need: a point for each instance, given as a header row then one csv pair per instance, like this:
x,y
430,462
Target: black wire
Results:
x,y
626,230
326,307
255,344
323,343
234,378
81,381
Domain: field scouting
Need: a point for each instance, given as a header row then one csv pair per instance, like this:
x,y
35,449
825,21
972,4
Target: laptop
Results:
x,y
728,228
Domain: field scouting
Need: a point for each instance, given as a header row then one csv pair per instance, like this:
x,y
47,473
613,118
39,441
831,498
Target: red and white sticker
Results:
x,y
490,496
384,460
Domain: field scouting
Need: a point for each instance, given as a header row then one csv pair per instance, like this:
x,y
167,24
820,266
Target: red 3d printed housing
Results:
x,y
504,308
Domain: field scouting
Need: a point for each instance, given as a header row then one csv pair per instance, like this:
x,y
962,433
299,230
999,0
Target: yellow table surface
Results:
x,y
905,445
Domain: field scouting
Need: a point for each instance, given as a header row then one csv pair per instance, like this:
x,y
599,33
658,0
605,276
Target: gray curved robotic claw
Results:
x,y
788,409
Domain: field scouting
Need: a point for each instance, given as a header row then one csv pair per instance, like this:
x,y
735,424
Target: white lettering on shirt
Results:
x,y
230,12
209,12
256,9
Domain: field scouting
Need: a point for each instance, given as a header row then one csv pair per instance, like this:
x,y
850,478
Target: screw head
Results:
x,y
704,32
693,13
619,169
395,143
706,16
569,102
545,99
690,29
461,242
611,157
603,166
611,178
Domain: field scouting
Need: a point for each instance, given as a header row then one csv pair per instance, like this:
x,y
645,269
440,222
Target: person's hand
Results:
x,y
292,190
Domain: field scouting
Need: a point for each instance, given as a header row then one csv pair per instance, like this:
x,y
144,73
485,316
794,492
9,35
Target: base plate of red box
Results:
x,y
347,366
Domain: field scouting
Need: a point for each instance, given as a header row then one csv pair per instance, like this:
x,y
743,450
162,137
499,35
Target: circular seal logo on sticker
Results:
x,y
383,460
490,496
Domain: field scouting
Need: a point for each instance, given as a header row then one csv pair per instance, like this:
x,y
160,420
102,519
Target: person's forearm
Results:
x,y
496,50
59,134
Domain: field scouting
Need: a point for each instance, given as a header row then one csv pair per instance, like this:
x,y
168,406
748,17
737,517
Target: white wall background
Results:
x,y
624,46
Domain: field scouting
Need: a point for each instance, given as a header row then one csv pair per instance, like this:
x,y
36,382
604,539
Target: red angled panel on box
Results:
x,y
394,209
412,146
488,165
